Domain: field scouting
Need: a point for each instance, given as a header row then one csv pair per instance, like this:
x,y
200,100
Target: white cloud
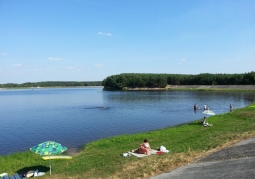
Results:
x,y
57,59
4,54
37,69
98,65
182,61
74,68
104,33
16,65
71,68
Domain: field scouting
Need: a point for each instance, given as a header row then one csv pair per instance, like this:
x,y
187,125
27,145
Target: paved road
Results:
x,y
236,162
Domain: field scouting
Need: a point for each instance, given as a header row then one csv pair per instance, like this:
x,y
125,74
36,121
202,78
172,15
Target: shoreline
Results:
x,y
215,87
200,87
168,87
50,87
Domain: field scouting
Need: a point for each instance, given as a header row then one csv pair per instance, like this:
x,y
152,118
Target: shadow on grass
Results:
x,y
40,168
196,123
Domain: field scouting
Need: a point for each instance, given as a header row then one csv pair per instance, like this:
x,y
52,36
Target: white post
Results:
x,y
50,164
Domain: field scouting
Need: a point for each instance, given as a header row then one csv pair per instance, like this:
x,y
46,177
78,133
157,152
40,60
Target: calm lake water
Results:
x,y
76,116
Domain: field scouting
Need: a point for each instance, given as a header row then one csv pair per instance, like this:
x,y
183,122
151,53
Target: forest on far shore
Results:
x,y
145,80
142,80
52,84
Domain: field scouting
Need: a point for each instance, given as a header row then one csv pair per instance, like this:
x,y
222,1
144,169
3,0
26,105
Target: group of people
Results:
x,y
196,107
207,108
144,148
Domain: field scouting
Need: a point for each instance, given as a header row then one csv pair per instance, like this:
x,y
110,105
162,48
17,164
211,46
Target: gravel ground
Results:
x,y
236,162
236,152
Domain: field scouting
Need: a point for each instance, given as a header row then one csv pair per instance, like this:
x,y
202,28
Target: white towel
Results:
x,y
152,151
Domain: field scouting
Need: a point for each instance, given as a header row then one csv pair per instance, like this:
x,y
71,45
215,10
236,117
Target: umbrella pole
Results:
x,y
50,164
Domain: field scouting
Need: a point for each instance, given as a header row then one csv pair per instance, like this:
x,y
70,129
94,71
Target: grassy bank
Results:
x,y
101,159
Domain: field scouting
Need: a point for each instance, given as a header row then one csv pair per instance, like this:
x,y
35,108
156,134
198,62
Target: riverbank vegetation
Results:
x,y
102,159
142,80
52,84
139,80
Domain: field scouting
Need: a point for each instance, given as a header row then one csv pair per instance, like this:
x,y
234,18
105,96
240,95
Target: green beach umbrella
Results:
x,y
48,148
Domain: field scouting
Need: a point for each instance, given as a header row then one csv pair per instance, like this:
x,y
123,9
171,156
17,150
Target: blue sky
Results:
x,y
88,40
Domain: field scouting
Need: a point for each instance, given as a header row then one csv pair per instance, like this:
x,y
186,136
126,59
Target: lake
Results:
x,y
76,116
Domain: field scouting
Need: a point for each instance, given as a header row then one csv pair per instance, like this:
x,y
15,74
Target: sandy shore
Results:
x,y
216,87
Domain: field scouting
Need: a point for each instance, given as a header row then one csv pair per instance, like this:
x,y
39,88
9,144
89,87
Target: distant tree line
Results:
x,y
141,80
52,84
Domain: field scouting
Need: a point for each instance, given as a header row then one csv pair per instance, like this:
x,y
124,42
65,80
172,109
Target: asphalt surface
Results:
x,y
235,162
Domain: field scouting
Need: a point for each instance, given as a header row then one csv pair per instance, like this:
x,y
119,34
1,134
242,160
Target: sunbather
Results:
x,y
203,121
144,147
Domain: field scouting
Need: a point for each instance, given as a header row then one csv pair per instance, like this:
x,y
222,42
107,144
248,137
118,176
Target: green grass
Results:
x,y
101,159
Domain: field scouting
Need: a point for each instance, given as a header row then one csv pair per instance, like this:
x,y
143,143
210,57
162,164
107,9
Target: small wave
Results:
x,y
97,107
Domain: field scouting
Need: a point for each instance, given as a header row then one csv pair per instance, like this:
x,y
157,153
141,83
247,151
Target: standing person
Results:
x,y
144,147
205,107
195,106
230,107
